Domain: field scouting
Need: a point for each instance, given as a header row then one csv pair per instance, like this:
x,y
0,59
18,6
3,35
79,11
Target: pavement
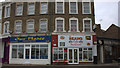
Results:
x,y
63,66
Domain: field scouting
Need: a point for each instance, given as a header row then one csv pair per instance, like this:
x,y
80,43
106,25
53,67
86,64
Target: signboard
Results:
x,y
74,41
31,39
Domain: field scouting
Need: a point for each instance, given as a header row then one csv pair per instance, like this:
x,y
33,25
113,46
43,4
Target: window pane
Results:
x,y
59,7
30,26
6,27
43,25
21,51
90,55
31,8
7,11
73,25
59,25
43,53
19,9
14,51
86,7
85,55
43,8
87,25
73,8
18,26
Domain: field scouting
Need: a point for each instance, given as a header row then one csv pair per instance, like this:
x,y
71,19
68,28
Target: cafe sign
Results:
x,y
74,40
31,39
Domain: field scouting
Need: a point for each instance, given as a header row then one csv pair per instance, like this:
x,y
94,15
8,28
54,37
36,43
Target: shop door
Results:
x,y
27,53
73,56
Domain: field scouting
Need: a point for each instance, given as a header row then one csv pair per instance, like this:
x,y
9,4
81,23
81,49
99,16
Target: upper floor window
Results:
x,y
31,8
73,25
86,7
0,13
43,8
59,7
43,25
6,27
73,7
19,9
7,11
87,25
18,27
59,25
30,26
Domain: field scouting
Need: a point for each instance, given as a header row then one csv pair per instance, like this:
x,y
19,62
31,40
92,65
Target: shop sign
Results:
x,y
73,40
31,39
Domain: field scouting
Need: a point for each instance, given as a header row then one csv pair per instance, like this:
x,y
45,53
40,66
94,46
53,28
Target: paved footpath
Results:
x,y
64,66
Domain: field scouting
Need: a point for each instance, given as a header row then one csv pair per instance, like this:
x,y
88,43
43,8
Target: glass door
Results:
x,y
27,53
73,56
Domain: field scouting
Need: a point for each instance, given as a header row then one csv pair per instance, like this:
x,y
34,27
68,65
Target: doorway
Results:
x,y
73,56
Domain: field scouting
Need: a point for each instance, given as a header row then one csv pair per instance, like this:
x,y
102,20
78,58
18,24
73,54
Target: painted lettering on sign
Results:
x,y
31,39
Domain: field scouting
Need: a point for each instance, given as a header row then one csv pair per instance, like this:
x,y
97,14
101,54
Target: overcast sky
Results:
x,y
106,12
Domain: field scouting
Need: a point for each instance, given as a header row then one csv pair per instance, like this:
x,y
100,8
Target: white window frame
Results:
x,y
46,26
33,26
20,25
59,18
21,10
40,7
83,6
7,22
90,24
56,6
1,12
70,24
76,6
6,11
28,8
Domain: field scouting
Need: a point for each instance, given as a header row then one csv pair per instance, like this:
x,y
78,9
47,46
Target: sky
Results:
x,y
106,12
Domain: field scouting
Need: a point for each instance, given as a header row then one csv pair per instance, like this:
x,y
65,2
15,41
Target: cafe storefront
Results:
x,y
30,50
73,49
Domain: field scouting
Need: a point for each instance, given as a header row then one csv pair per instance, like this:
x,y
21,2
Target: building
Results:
x,y
108,44
48,32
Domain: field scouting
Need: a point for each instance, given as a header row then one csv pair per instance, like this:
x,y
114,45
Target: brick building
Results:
x,y
108,44
48,32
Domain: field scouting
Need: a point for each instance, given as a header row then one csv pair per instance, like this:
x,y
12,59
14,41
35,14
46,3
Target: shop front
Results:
x,y
30,50
73,49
